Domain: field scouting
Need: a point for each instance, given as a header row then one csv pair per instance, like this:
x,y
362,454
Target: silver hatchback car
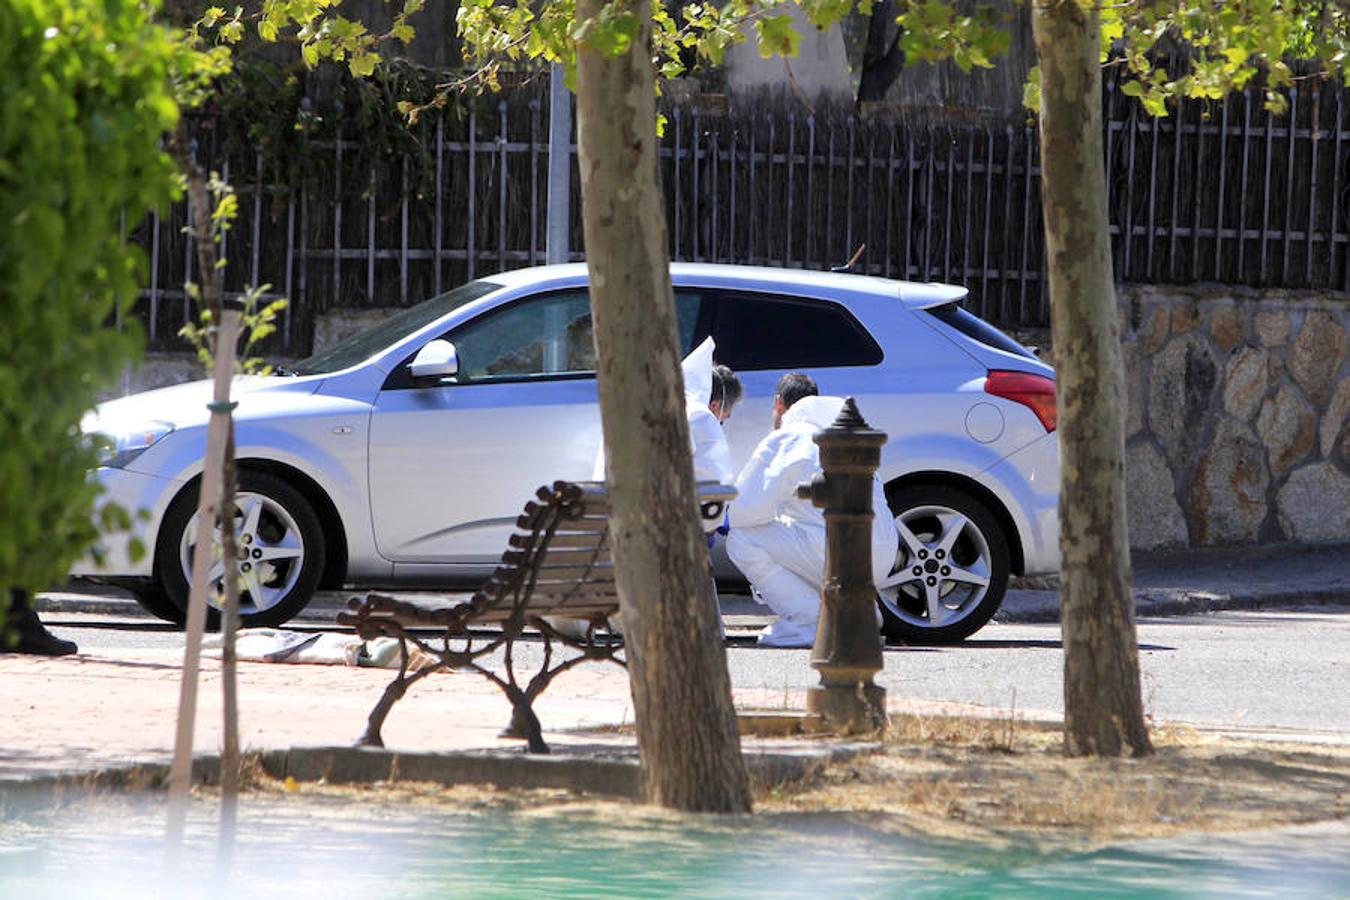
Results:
x,y
400,457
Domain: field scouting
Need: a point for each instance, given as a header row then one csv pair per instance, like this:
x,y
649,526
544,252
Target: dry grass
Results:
x,y
1004,779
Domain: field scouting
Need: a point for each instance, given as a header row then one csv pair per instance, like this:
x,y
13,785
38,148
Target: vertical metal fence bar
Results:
x,y
471,241
679,195
1199,183
154,275
750,200
534,181
1265,194
304,248
437,220
1005,314
890,196
947,216
187,249
1288,218
848,203
1241,273
257,216
1336,186
335,292
695,222
907,214
1029,138
988,217
928,174
1219,202
403,237
370,235
503,136
829,201
1127,220
731,195
966,220
1152,197
870,162
787,216
1177,124
770,150
714,208
1314,132
809,244
290,269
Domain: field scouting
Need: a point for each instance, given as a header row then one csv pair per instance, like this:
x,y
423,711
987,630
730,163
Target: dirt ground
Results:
x,y
1004,783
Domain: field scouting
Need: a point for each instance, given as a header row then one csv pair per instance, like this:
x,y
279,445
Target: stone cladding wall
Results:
x,y
1236,424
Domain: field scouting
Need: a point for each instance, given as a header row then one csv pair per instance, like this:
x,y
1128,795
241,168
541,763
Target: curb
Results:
x,y
1038,607
610,774
1019,606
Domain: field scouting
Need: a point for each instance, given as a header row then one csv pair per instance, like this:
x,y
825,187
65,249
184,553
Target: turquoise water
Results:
x,y
331,848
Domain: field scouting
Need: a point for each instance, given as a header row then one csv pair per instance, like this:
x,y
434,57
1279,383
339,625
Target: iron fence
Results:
x,y
1215,192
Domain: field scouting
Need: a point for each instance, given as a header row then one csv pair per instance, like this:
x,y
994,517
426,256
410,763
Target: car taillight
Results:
x,y
1036,392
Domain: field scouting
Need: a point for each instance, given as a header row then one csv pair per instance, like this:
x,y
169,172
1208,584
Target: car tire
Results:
x,y
155,600
958,584
279,530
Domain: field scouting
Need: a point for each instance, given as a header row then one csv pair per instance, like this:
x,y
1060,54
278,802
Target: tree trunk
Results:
x,y
686,724
883,59
1103,713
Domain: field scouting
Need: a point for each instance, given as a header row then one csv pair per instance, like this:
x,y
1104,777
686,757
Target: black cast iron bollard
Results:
x,y
847,652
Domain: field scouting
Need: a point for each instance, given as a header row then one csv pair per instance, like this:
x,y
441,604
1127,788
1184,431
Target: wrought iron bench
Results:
x,y
558,566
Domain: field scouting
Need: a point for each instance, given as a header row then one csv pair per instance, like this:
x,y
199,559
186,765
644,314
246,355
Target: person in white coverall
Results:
x,y
711,392
778,540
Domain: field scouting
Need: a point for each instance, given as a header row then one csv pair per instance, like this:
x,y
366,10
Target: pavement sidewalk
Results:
x,y
111,708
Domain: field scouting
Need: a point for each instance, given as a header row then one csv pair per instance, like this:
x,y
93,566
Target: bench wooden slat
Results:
x,y
567,557
586,539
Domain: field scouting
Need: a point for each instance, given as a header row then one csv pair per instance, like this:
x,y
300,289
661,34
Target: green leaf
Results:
x,y
777,36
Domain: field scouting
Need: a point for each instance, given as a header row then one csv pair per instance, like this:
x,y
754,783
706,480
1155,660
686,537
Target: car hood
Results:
x,y
184,405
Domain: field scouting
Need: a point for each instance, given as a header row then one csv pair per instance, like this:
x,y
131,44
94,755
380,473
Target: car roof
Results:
x,y
916,295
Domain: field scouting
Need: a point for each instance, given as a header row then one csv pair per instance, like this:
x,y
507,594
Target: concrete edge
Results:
x,y
610,774
1039,607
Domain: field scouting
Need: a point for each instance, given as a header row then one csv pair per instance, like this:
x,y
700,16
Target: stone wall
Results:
x,y
1236,428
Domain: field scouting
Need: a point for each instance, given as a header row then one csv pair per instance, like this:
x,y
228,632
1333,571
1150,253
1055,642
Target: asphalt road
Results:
x,y
1260,671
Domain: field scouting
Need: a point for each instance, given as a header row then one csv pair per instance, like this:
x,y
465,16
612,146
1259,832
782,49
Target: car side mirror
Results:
x,y
435,361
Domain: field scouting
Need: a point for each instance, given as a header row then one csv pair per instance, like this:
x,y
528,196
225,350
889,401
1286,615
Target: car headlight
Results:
x,y
119,448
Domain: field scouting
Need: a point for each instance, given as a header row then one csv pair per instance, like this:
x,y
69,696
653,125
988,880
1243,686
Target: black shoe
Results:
x,y
32,636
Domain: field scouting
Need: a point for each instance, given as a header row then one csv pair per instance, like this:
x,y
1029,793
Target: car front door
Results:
x,y
452,463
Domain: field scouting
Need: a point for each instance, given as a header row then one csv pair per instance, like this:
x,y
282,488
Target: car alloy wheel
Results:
x,y
280,546
951,570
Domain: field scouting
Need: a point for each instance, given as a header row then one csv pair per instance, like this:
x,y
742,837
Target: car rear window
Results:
x,y
757,331
977,329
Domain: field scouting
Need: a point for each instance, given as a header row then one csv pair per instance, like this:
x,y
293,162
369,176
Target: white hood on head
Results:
x,y
818,412
697,369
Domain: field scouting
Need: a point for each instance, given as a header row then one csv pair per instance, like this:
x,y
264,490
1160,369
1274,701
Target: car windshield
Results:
x,y
977,329
361,346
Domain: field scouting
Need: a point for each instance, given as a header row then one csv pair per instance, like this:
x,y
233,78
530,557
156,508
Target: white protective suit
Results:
x,y
778,540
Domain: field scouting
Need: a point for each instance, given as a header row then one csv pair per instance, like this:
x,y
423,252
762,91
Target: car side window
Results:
x,y
545,336
761,331
549,335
